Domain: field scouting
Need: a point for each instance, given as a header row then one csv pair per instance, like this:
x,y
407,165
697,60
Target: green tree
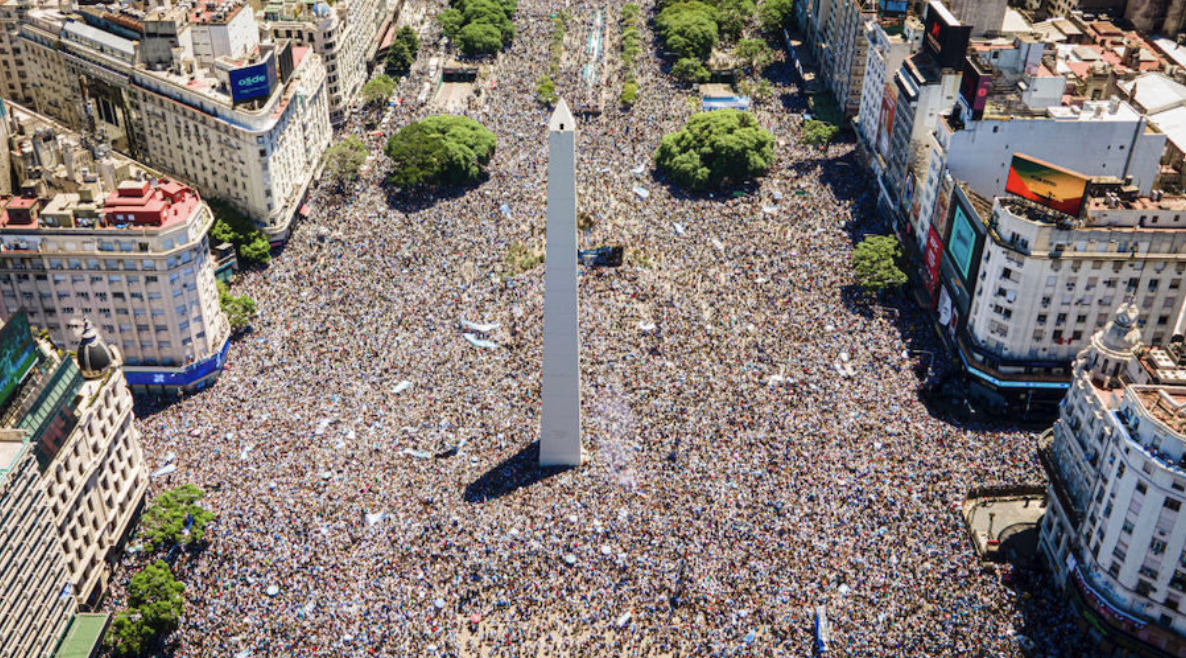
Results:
x,y
155,606
629,94
690,70
344,159
545,91
688,29
157,594
818,133
715,148
163,523
234,227
238,309
489,12
407,36
478,39
754,54
776,15
733,16
451,22
630,12
128,635
876,262
399,59
439,150
378,89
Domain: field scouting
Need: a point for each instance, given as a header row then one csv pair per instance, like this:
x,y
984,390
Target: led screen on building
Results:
x,y
962,243
1050,185
255,81
17,354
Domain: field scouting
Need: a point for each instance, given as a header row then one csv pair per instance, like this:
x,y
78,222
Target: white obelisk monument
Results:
x,y
560,428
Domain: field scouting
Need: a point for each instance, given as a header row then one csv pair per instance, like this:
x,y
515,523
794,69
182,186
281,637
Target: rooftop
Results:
x,y
11,448
134,205
1166,404
85,632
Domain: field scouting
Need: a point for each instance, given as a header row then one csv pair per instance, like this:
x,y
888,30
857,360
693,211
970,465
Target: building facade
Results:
x,y
344,35
177,92
1115,457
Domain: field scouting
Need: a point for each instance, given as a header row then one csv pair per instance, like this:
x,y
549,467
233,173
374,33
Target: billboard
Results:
x,y
255,81
974,88
962,242
893,7
946,41
1050,185
932,259
18,353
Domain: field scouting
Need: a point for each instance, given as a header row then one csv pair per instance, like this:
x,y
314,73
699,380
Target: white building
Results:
x,y
245,127
1046,284
886,51
96,478
36,606
128,253
843,52
344,35
1112,535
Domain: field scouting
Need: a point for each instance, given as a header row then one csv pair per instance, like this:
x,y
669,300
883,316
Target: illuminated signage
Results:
x,y
1050,185
255,81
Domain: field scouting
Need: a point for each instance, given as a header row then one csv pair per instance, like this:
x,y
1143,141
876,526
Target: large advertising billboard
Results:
x,y
962,243
255,81
17,354
1050,185
893,7
932,258
946,40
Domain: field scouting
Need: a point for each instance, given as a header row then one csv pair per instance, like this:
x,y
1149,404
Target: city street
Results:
x,y
755,442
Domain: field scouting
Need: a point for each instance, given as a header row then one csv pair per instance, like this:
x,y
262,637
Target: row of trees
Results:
x,y
690,29
479,27
155,597
631,47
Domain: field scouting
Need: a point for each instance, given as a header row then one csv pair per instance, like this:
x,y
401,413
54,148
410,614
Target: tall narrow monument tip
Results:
x,y
560,425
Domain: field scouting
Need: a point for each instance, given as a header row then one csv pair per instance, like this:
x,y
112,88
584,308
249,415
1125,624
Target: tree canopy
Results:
x,y
688,29
439,150
378,89
875,261
715,148
239,309
480,27
344,159
818,133
545,91
690,70
155,605
238,229
776,15
402,52
164,522
753,53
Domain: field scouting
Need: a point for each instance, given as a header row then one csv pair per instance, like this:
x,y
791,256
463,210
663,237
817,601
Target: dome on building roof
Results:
x,y
1122,332
94,357
321,10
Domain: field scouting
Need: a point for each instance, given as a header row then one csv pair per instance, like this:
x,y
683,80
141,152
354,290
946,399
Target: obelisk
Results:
x,y
560,427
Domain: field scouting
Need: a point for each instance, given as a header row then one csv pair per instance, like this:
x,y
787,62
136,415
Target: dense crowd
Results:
x,y
376,468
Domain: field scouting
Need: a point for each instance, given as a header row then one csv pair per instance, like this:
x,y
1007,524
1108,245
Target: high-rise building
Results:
x,y
1112,534
123,248
189,90
37,601
345,34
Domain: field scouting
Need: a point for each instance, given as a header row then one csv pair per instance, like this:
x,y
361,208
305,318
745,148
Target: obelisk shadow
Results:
x,y
513,473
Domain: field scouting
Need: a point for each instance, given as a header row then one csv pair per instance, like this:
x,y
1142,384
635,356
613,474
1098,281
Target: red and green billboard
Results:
x,y
1050,185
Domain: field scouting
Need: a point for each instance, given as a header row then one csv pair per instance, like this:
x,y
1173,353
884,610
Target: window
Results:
x,y
1172,504
1141,488
1178,582
1156,546
1127,528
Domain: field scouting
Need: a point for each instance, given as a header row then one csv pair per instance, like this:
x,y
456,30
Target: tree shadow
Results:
x,y
515,472
417,199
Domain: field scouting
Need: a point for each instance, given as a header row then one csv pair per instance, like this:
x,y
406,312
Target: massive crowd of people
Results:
x,y
372,470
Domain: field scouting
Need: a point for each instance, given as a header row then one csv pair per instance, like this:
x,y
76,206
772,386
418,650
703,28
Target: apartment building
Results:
x,y
37,604
1116,459
345,35
192,92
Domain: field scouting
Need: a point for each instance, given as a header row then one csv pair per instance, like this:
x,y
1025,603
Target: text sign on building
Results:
x,y
1047,184
17,353
253,81
946,40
